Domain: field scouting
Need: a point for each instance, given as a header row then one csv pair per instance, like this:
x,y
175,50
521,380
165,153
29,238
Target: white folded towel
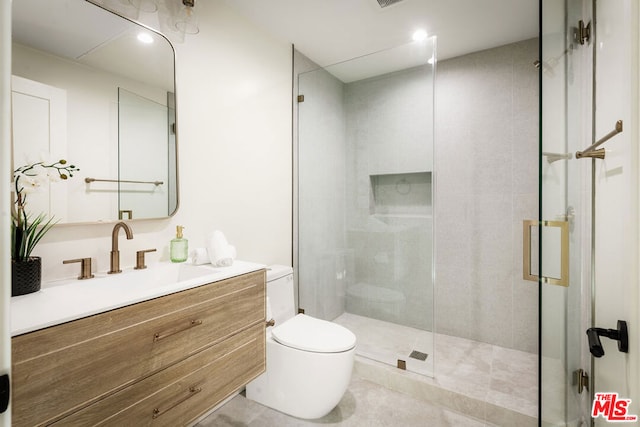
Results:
x,y
200,256
221,253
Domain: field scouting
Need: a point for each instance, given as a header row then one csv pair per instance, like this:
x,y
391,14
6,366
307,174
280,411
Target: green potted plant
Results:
x,y
26,231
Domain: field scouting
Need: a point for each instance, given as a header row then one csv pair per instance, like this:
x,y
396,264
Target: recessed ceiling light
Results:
x,y
419,35
145,38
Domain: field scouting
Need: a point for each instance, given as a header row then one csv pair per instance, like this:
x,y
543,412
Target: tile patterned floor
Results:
x,y
496,375
365,404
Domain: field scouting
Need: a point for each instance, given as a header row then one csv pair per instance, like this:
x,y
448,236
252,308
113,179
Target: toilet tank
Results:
x,y
280,293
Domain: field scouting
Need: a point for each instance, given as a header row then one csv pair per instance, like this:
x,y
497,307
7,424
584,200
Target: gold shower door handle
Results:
x,y
527,273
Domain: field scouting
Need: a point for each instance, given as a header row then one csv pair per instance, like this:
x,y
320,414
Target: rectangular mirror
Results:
x,y
88,88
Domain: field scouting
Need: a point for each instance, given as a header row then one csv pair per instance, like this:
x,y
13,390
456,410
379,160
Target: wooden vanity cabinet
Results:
x,y
164,361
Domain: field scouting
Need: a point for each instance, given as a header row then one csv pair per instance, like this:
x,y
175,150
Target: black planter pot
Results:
x,y
25,276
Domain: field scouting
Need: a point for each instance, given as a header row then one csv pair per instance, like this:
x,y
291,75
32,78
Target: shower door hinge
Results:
x,y
300,98
581,380
582,34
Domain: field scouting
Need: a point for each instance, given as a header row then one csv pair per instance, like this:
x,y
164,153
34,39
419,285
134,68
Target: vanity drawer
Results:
x,y
67,367
182,392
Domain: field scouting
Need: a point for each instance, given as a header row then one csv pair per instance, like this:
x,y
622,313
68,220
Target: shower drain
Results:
x,y
415,354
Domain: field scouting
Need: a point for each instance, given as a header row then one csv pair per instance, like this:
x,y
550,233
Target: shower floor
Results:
x,y
389,342
486,381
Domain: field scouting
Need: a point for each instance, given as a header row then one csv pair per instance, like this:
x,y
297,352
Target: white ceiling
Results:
x,y
326,31
331,31
87,34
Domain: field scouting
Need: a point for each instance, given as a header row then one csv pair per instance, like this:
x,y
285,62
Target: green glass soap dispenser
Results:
x,y
179,247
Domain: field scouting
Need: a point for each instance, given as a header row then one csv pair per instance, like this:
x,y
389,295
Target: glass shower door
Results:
x,y
565,212
364,255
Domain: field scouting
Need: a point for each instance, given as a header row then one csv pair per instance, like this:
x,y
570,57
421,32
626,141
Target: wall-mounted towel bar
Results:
x,y
591,151
90,180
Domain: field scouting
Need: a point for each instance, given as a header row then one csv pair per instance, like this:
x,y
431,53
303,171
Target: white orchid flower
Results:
x,y
27,179
28,184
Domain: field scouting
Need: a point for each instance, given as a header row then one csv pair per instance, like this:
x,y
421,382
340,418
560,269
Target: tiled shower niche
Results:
x,y
403,194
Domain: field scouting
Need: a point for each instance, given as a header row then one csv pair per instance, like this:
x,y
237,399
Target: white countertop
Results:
x,y
65,300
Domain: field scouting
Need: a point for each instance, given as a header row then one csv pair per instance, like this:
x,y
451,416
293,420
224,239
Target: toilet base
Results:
x,y
302,384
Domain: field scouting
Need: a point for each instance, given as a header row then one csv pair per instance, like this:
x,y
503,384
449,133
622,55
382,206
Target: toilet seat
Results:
x,y
307,333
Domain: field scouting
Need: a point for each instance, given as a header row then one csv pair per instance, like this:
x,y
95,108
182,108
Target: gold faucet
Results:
x,y
115,253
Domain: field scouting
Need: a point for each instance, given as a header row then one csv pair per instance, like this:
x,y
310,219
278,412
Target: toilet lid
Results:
x,y
310,334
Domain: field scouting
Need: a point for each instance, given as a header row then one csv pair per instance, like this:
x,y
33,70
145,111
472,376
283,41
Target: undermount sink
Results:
x,y
155,276
162,274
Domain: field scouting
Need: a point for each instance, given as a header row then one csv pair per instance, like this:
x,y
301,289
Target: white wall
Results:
x,y
616,219
234,135
5,171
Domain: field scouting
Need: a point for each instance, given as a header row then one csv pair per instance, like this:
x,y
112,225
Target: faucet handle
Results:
x,y
85,267
140,259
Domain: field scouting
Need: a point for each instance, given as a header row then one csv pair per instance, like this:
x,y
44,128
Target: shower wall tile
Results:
x,y
528,84
525,293
454,159
453,256
491,209
491,312
525,169
452,302
486,184
389,108
492,172
525,315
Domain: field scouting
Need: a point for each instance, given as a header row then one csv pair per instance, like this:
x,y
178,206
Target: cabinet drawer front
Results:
x,y
125,345
181,393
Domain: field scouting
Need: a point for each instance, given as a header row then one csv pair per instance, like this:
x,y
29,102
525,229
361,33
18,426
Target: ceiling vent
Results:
x,y
385,3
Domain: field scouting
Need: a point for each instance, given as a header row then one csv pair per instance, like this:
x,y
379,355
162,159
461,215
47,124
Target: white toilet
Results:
x,y
309,361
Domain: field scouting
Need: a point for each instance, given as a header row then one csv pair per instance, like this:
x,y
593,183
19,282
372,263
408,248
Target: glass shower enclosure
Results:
x,y
363,204
566,217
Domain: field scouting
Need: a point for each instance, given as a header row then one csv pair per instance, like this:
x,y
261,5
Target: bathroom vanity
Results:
x,y
164,359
